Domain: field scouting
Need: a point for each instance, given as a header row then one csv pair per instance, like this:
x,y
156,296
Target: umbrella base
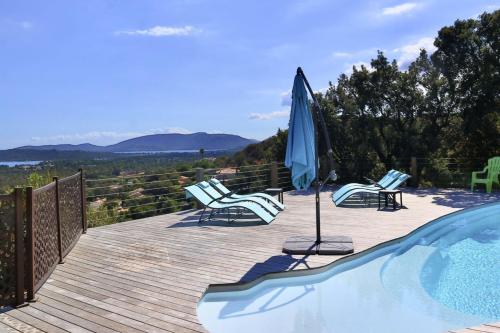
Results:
x,y
330,245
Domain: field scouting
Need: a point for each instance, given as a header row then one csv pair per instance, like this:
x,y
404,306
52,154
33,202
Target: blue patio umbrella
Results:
x,y
302,158
300,148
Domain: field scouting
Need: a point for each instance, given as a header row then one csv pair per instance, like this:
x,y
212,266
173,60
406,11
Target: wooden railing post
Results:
x,y
30,246
200,174
19,232
414,171
274,174
84,202
58,218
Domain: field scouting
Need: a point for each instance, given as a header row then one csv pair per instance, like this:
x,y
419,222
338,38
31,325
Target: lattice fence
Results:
x,y
56,219
38,228
7,250
45,233
12,248
71,212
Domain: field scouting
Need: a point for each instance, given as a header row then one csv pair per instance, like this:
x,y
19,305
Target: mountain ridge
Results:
x,y
157,142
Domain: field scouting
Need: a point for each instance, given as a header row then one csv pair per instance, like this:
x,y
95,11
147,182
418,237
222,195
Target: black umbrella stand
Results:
x,y
306,245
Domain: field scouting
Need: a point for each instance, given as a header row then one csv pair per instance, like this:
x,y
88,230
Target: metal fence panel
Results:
x,y
7,250
71,214
45,235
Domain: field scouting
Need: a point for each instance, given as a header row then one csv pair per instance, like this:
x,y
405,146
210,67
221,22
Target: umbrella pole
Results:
x,y
317,181
334,245
318,120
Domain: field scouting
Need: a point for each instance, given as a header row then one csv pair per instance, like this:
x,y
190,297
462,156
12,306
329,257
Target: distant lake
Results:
x,y
18,163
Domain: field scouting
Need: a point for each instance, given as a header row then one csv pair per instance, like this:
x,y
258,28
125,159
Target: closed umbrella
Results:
x,y
303,161
300,149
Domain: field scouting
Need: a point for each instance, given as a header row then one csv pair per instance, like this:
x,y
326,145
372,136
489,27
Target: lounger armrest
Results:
x,y
228,194
371,181
240,189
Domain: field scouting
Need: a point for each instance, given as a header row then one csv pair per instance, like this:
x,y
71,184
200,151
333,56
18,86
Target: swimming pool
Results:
x,y
442,276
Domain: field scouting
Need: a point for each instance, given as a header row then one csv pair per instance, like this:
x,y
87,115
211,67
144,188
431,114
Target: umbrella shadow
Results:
x,y
217,220
311,191
278,263
456,198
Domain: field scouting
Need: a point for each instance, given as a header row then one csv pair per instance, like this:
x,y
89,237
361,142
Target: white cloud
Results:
x,y
408,53
269,116
369,52
399,9
286,98
103,136
25,25
349,68
80,137
342,54
179,130
322,90
162,31
491,7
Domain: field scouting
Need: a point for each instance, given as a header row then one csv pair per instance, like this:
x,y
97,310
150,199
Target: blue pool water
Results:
x,y
443,276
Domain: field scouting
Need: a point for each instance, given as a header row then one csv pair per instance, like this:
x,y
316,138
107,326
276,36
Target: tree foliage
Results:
x,y
441,106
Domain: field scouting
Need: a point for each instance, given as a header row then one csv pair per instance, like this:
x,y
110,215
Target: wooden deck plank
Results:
x,y
128,325
148,275
123,297
102,321
17,324
7,329
35,322
125,316
66,316
54,320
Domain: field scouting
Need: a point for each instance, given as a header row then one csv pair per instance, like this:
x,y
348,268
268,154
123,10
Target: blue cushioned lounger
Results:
x,y
224,190
388,179
400,180
214,194
200,195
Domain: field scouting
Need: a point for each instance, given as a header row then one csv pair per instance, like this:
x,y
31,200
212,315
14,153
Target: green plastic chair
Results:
x,y
492,171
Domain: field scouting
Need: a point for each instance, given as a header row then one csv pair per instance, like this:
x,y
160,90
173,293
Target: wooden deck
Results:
x,y
148,275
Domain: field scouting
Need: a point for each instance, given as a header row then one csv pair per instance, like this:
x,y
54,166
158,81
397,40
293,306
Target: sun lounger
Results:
x,y
394,185
214,194
225,191
194,191
387,180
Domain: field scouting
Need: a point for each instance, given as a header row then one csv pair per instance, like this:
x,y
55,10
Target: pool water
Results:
x,y
443,276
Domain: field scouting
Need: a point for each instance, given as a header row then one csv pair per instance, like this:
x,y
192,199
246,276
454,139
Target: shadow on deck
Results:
x,y
148,275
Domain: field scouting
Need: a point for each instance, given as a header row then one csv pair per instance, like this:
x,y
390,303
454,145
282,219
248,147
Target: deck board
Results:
x,y
148,275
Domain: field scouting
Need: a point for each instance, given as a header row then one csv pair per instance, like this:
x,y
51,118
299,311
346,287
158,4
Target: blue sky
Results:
x,y
102,71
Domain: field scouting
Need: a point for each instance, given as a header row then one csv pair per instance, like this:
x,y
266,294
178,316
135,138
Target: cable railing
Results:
x,y
139,195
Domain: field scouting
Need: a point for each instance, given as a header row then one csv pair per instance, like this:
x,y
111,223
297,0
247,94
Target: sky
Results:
x,y
102,71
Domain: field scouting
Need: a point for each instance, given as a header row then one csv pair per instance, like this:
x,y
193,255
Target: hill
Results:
x,y
156,142
87,147
195,141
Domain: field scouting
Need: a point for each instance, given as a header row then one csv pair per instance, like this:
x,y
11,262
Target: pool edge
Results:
x,y
241,286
